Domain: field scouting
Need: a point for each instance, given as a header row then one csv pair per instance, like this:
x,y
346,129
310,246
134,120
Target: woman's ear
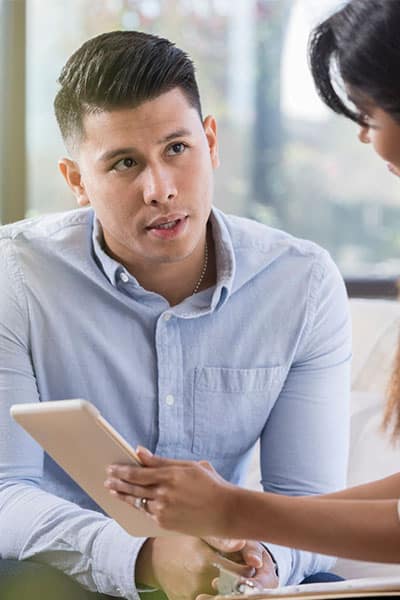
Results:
x,y
69,169
210,129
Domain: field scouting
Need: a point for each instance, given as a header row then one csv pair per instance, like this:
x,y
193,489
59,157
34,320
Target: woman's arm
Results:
x,y
358,529
361,522
382,489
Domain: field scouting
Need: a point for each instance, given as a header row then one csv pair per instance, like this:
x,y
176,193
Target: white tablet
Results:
x,y
84,444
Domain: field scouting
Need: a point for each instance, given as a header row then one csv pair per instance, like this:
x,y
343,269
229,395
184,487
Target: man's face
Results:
x,y
148,174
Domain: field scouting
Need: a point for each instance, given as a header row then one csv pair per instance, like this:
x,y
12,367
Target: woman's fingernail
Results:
x,y
143,450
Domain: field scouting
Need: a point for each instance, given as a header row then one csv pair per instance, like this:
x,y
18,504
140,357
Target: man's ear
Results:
x,y
69,169
210,129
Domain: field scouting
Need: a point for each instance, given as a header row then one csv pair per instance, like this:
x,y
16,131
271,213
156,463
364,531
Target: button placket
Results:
x,y
169,358
169,400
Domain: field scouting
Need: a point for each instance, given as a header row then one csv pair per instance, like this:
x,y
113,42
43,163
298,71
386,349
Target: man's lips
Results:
x,y
167,222
168,228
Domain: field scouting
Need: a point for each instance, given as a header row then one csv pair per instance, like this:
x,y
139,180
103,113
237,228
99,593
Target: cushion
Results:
x,y
376,327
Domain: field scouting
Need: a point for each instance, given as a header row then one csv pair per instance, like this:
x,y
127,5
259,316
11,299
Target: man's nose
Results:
x,y
158,186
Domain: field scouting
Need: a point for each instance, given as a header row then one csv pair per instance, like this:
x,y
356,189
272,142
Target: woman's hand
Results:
x,y
185,496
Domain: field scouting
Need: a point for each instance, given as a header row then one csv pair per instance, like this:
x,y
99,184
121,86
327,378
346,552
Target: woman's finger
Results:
x,y
136,475
207,465
136,502
123,487
153,460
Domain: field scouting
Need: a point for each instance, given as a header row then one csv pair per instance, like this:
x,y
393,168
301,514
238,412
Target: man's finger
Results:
x,y
225,545
234,567
253,554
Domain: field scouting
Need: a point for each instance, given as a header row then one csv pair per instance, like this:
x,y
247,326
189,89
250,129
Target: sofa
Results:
x,y
376,329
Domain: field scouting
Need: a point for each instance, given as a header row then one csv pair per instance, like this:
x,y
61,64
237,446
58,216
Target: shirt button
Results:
x,y
170,399
124,277
167,316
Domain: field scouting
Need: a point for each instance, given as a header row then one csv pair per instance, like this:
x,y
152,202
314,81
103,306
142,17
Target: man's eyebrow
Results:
x,y
110,154
175,134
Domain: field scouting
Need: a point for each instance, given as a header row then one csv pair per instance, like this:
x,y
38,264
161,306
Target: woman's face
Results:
x,y
381,130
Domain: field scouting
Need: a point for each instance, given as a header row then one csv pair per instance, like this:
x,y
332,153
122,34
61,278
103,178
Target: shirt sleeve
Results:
x,y
88,546
304,445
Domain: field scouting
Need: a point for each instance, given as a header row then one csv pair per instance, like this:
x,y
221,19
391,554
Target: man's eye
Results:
x,y
177,148
124,164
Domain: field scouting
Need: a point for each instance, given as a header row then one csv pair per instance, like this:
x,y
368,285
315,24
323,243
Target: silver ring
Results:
x,y
141,503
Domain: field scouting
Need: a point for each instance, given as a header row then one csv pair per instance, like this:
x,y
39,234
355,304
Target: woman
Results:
x,y
362,40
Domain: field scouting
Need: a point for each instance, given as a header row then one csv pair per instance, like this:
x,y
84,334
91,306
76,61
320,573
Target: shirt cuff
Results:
x,y
283,560
114,558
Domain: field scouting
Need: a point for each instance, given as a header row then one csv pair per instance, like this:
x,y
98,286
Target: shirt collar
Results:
x,y
225,260
111,268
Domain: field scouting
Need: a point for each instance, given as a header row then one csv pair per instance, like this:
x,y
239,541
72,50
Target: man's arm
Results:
x,y
304,445
35,524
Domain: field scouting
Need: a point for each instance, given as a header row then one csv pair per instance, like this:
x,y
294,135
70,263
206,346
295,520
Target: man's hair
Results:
x,y
120,69
363,41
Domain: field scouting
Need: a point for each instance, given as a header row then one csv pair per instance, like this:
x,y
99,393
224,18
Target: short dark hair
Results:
x,y
363,41
117,70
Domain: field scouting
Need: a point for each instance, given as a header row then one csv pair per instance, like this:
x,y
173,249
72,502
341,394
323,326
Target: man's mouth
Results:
x,y
168,225
167,222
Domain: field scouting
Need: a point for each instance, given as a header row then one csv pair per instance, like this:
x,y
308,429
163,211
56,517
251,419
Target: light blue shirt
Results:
x,y
263,355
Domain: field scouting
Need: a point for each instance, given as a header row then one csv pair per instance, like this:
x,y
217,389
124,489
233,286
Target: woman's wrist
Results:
x,y
233,509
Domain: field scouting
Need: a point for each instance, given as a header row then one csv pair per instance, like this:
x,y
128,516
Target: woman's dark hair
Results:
x,y
117,70
362,42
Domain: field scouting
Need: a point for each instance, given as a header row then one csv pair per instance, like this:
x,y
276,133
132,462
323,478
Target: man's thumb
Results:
x,y
225,545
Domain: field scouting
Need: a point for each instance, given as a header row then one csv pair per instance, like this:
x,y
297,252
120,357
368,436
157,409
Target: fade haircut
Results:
x,y
116,70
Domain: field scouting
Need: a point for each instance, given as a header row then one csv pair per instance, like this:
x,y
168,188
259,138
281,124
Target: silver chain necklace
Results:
x,y
203,271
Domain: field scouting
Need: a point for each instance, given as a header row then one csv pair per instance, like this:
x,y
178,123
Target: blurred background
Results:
x,y
286,160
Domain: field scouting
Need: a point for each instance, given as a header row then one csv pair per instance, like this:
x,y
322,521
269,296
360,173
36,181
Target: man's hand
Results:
x,y
182,566
255,556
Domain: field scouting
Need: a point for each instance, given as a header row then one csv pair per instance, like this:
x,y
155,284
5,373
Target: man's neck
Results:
x,y
176,281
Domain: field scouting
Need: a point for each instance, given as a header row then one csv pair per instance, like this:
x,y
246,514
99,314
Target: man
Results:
x,y
196,334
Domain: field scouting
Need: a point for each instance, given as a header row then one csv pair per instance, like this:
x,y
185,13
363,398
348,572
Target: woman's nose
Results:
x,y
363,135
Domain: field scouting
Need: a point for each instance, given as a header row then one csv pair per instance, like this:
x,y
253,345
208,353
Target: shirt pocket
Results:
x,y
230,408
